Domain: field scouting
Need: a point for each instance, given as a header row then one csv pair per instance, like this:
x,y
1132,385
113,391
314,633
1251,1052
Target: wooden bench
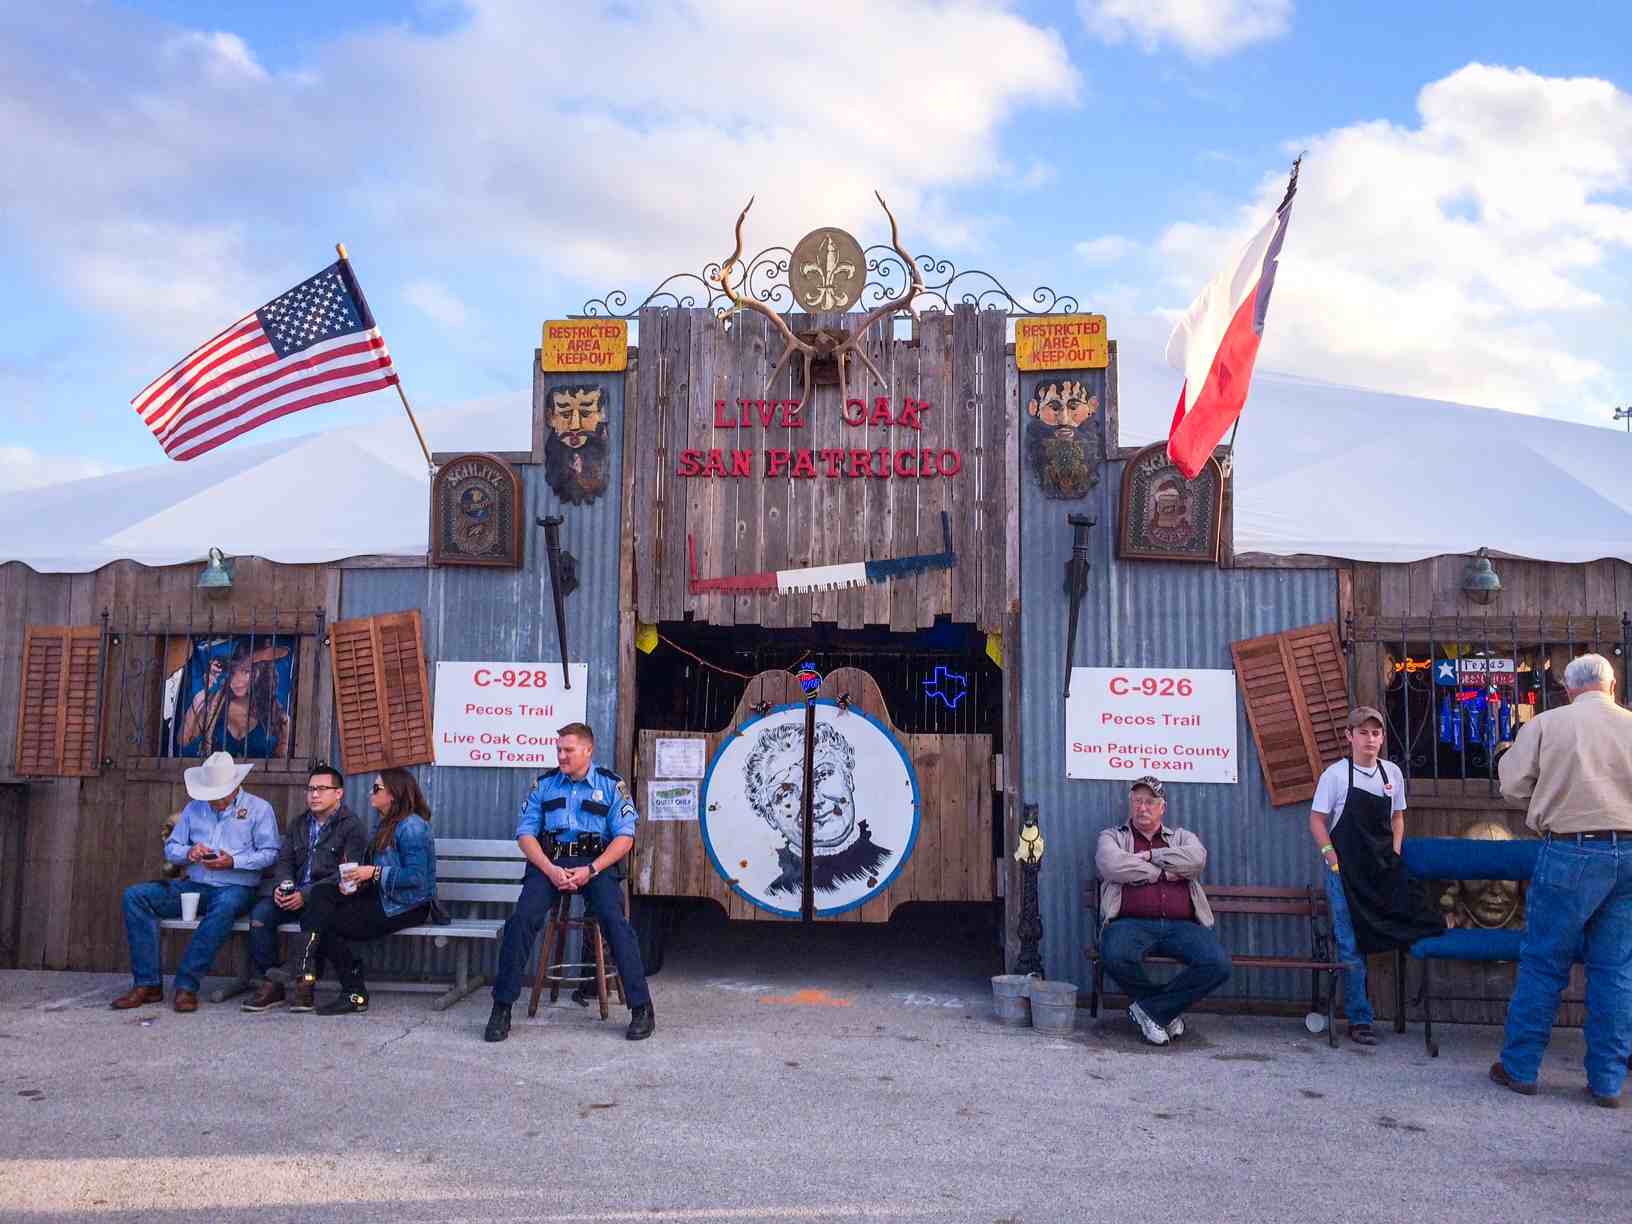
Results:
x,y
468,871
1227,899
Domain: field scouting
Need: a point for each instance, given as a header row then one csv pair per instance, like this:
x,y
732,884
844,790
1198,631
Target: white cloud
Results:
x,y
1202,29
1106,250
24,468
1466,258
437,302
584,156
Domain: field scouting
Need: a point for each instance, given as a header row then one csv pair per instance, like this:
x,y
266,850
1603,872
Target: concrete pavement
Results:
x,y
849,1074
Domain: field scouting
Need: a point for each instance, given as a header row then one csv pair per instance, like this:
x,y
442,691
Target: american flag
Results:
x,y
313,345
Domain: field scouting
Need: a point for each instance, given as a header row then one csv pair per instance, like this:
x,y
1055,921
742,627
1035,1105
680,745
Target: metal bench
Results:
x,y
468,871
1278,902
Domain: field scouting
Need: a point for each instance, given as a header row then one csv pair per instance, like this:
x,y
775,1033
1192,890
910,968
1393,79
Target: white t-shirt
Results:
x,y
1383,778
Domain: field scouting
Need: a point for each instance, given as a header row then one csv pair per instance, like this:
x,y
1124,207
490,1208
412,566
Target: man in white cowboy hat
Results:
x,y
224,838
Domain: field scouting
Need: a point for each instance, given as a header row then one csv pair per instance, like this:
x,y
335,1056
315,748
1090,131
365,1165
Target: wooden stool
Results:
x,y
556,971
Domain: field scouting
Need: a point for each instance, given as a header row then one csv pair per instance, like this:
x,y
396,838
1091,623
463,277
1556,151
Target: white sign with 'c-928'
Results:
x,y
1175,723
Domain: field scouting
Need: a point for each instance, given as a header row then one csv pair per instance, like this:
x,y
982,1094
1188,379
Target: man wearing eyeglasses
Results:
x,y
322,837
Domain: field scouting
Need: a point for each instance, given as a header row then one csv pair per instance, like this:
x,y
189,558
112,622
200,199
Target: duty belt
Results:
x,y
581,844
1613,836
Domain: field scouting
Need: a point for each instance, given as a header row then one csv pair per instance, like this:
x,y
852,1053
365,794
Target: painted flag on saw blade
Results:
x,y
313,345
1216,343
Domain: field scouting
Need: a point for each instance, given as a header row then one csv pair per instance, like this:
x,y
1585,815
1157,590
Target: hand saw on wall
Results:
x,y
827,577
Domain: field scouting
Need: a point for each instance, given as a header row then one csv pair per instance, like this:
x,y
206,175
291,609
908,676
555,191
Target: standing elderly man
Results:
x,y
1573,768
1151,900
225,837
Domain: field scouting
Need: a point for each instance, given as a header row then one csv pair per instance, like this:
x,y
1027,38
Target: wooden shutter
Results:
x,y
1296,688
57,715
382,701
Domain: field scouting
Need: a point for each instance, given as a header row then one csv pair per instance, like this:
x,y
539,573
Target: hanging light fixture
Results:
x,y
215,580
1480,582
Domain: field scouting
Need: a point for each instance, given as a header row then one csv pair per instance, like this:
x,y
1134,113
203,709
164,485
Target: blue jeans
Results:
x,y
1580,901
1356,1005
604,898
1127,941
219,906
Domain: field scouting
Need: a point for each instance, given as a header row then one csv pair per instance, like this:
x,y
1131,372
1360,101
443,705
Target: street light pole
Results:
x,y
1625,414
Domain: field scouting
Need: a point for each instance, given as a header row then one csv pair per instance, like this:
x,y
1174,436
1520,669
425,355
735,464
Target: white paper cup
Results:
x,y
189,907
347,884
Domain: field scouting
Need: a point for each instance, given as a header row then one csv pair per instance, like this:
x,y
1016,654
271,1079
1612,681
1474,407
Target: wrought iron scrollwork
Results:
x,y
766,281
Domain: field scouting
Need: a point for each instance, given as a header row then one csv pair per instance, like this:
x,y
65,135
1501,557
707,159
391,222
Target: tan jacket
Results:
x,y
1116,863
1572,767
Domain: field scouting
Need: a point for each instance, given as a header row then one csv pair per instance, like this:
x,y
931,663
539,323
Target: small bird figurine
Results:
x,y
1030,849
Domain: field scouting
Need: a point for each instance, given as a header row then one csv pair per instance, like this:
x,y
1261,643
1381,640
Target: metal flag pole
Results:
x,y
351,278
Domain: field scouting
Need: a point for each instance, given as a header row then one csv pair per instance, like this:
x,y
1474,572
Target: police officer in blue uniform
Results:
x,y
576,825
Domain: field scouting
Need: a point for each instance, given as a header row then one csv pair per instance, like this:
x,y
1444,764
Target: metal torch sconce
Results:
x,y
215,580
1076,585
563,582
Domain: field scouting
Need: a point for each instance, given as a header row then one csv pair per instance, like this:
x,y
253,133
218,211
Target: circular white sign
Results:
x,y
865,809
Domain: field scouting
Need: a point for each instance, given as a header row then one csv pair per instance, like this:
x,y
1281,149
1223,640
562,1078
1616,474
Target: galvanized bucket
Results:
x,y
1053,1007
1009,998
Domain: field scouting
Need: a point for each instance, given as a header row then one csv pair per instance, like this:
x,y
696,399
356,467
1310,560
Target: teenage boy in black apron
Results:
x,y
1357,819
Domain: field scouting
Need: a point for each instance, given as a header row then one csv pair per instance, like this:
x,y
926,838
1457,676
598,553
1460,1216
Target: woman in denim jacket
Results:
x,y
393,889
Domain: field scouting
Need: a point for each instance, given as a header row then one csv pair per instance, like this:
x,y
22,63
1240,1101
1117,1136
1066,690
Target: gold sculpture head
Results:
x,y
1487,904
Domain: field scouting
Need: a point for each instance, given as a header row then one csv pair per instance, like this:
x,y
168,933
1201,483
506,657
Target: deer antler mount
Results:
x,y
827,272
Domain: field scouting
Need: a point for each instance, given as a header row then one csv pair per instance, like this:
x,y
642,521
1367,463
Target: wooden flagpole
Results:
x,y
429,462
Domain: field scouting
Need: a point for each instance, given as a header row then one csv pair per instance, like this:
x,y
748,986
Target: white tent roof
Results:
x,y
354,491
1323,469
1343,472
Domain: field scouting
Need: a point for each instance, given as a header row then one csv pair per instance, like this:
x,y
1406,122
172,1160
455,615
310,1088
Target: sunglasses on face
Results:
x,y
375,789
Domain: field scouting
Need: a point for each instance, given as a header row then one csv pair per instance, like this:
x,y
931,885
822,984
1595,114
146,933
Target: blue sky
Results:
x,y
1464,230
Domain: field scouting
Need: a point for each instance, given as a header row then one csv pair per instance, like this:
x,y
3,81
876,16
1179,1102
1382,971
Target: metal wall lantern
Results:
x,y
1480,582
215,580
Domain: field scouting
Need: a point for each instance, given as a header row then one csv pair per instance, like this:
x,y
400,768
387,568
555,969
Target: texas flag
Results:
x,y
1216,343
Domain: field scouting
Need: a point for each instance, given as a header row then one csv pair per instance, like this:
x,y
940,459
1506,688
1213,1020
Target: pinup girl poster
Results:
x,y
233,695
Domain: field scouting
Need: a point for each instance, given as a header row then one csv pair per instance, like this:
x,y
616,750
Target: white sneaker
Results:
x,y
1175,1027
1154,1033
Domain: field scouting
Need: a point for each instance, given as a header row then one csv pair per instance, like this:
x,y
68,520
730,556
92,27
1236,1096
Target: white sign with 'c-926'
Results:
x,y
1178,724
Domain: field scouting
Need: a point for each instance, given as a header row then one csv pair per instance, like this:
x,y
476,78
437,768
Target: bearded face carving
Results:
x,y
1061,447
577,465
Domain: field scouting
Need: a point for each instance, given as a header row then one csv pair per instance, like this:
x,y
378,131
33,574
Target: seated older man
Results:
x,y
225,838
1151,901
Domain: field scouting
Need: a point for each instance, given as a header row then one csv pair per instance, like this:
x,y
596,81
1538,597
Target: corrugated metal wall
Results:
x,y
1153,614
473,613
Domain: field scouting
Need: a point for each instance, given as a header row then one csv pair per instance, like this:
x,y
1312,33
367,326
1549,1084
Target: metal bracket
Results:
x,y
1076,585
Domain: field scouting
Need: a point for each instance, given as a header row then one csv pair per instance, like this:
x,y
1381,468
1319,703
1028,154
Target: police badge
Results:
x,y
476,503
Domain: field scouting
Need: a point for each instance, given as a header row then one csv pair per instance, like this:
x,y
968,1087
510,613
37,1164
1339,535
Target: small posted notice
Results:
x,y
1177,724
1061,342
679,758
671,801
505,715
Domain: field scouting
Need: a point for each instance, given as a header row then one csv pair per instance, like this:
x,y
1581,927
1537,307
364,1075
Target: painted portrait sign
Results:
x,y
577,462
1063,447
233,694
1166,517
865,809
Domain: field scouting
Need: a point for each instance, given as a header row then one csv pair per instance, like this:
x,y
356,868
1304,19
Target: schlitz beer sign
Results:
x,y
476,513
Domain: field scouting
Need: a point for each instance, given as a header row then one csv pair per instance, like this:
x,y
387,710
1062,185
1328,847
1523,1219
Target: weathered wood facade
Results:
x,y
83,839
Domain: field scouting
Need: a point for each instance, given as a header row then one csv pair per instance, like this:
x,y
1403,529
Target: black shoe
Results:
x,y
345,1004
642,1023
581,995
498,1024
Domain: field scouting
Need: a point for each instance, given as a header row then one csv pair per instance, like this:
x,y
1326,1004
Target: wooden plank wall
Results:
x,y
952,860
85,840
743,525
1431,588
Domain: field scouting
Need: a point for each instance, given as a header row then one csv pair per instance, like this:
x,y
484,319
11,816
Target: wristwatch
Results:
x,y
593,871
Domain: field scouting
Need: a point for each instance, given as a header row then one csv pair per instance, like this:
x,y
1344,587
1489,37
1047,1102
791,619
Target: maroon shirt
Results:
x,y
1168,899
